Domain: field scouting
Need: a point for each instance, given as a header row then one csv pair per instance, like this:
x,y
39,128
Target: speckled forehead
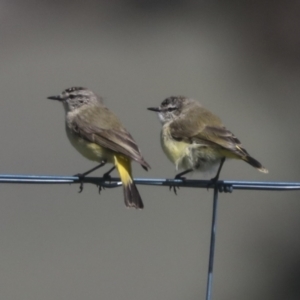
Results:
x,y
76,92
74,89
172,101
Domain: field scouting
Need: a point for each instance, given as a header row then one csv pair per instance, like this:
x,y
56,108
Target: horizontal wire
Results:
x,y
226,186
223,186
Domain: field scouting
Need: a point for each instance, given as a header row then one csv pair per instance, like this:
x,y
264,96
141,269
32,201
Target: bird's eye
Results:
x,y
71,96
171,108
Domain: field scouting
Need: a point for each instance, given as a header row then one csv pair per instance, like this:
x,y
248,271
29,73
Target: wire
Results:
x,y
226,186
223,186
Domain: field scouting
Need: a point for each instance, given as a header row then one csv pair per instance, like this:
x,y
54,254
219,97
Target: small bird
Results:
x,y
98,135
195,139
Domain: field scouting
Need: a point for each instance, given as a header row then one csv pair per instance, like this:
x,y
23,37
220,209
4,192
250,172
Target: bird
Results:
x,y
97,134
194,139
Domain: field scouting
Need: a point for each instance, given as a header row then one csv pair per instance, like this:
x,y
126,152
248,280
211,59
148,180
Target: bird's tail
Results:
x,y
254,163
131,194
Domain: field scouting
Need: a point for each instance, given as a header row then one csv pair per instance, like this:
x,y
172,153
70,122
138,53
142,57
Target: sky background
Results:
x,y
240,59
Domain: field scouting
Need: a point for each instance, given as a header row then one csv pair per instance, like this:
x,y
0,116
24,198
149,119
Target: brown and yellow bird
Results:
x,y
98,135
193,138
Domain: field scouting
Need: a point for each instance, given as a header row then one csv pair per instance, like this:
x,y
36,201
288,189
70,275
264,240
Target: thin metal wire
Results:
x,y
226,186
223,186
212,244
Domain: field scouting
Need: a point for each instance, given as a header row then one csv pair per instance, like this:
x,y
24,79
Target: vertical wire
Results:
x,y
212,244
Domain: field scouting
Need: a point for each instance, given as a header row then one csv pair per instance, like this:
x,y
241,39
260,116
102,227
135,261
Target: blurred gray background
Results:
x,y
241,59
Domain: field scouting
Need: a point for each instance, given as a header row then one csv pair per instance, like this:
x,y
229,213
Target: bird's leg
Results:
x,y
82,175
106,176
214,180
179,176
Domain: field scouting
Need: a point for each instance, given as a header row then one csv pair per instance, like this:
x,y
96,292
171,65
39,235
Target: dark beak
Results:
x,y
157,109
59,98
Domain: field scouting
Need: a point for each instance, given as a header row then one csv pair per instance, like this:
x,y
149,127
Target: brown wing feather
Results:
x,y
215,135
193,129
117,139
224,138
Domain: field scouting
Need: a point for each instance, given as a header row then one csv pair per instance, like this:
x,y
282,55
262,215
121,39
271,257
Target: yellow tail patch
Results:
x,y
132,197
124,167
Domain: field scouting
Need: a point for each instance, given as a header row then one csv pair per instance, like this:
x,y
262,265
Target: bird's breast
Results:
x,y
174,150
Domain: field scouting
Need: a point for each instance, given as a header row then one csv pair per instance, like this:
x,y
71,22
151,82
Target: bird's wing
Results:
x,y
104,128
224,138
193,129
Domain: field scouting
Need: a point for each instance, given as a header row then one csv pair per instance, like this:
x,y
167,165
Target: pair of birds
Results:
x,y
191,137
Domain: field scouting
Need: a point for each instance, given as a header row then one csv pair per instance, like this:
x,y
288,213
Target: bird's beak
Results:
x,y
58,98
157,109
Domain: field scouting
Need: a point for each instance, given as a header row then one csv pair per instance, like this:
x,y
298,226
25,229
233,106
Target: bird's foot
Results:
x,y
106,176
100,188
173,187
80,176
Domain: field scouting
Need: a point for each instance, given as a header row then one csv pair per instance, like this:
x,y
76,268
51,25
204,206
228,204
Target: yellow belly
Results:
x,y
176,151
90,150
197,156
